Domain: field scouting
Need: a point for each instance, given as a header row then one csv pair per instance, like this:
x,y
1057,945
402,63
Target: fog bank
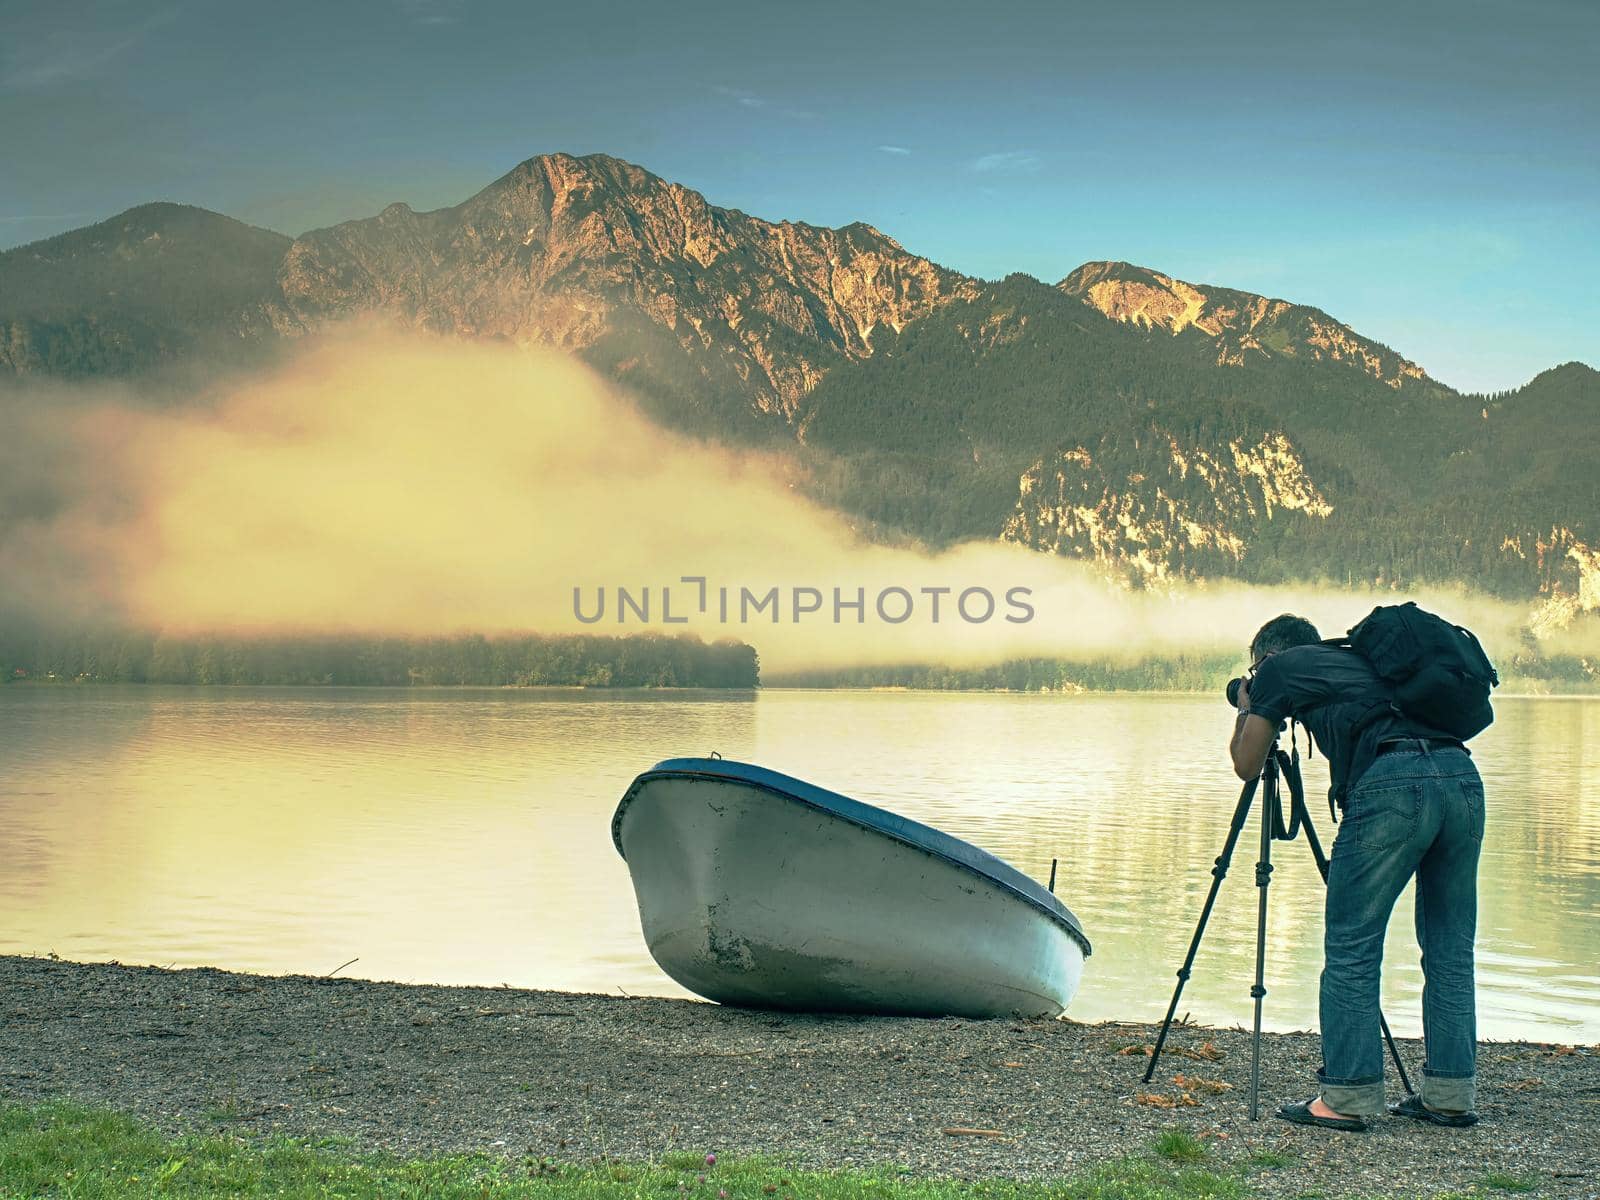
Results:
x,y
378,482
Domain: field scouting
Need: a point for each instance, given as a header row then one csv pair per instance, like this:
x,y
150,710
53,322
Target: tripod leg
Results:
x,y
1259,991
1240,812
1322,869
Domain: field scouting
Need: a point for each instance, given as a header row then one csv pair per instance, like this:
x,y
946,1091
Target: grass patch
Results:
x,y
1271,1159
1176,1145
63,1149
1501,1181
682,1160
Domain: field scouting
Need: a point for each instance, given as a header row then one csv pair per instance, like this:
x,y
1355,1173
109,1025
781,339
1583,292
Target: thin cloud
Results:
x,y
68,55
740,96
1007,161
745,98
432,12
894,149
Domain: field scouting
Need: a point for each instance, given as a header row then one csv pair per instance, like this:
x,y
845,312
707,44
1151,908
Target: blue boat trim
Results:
x,y
902,829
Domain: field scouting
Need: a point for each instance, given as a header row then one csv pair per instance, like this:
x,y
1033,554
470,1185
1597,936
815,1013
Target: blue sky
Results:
x,y
1428,173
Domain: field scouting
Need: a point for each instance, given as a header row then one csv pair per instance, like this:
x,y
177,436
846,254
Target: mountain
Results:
x,y
1025,412
991,386
157,283
1160,428
1241,325
719,317
720,320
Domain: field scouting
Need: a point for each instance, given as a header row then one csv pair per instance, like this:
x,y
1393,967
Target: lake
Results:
x,y
462,836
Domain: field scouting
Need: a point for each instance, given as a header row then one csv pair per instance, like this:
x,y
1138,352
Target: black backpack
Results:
x,y
1440,675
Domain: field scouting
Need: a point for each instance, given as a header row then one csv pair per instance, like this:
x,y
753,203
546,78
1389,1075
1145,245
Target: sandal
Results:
x,y
1412,1106
1301,1114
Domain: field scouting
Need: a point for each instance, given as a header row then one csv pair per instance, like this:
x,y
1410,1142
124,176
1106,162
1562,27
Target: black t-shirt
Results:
x,y
1329,690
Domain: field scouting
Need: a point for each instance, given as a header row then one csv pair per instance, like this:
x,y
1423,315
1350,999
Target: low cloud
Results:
x,y
383,483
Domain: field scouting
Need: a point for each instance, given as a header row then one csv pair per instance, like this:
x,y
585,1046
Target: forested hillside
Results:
x,y
153,286
1130,441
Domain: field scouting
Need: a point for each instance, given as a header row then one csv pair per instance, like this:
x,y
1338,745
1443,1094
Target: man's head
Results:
x,y
1282,633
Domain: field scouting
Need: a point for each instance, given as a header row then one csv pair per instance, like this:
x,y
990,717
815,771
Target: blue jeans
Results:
x,y
1417,810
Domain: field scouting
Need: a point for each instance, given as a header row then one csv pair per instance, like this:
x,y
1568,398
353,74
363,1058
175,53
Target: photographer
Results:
x,y
1413,805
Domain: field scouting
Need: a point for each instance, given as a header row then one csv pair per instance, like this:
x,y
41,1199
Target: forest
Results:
x,y
529,660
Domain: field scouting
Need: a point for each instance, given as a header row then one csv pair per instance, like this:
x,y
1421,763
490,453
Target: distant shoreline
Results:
x,y
644,662
650,689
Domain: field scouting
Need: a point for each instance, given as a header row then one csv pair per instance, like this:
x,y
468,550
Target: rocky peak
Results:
x,y
569,250
1141,296
1244,325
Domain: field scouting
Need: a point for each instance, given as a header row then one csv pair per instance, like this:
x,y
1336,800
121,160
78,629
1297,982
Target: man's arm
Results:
x,y
1252,738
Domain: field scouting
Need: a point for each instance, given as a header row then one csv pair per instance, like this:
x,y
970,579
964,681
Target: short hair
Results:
x,y
1282,633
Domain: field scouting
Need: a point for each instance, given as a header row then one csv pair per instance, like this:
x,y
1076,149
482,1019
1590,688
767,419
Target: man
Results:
x,y
1413,805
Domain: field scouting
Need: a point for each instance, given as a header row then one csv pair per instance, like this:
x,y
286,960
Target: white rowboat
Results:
x,y
762,890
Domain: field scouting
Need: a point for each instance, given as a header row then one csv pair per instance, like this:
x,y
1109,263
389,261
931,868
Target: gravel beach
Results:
x,y
418,1069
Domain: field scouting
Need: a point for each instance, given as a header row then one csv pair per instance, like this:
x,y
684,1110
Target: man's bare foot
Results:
x,y
1320,1109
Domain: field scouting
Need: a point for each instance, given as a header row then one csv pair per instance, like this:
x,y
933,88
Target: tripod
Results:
x,y
1278,764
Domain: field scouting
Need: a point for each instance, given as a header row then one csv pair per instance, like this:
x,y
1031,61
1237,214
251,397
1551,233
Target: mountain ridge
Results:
x,y
1241,323
1119,290
600,256
1121,415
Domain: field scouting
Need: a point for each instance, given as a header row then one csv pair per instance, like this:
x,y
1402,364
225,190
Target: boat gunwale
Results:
x,y
774,782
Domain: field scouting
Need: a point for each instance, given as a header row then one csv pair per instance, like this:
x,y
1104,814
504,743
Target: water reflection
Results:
x,y
463,836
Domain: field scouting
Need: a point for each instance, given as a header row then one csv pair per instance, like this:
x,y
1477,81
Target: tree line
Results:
x,y
646,659
528,660
1524,671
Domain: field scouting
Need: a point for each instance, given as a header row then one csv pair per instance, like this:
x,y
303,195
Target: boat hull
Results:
x,y
750,897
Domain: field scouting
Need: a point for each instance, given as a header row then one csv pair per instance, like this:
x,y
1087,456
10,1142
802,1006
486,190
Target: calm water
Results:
x,y
463,837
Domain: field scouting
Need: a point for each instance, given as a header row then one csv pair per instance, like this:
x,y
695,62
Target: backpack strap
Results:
x,y
1294,746
1351,756
1289,772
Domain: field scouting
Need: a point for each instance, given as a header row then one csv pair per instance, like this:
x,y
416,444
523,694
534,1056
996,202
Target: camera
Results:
x,y
1232,688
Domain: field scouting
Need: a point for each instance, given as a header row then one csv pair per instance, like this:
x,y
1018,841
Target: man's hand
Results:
x,y
1252,738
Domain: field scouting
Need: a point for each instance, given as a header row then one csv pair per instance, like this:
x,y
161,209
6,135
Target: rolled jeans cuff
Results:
x,y
1353,1099
1452,1093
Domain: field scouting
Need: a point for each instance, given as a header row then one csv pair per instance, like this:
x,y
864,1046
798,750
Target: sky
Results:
x,y
1428,173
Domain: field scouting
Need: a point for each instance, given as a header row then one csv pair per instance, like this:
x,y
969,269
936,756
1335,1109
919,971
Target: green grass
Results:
x,y
1500,1181
682,1160
1177,1146
1272,1159
58,1149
